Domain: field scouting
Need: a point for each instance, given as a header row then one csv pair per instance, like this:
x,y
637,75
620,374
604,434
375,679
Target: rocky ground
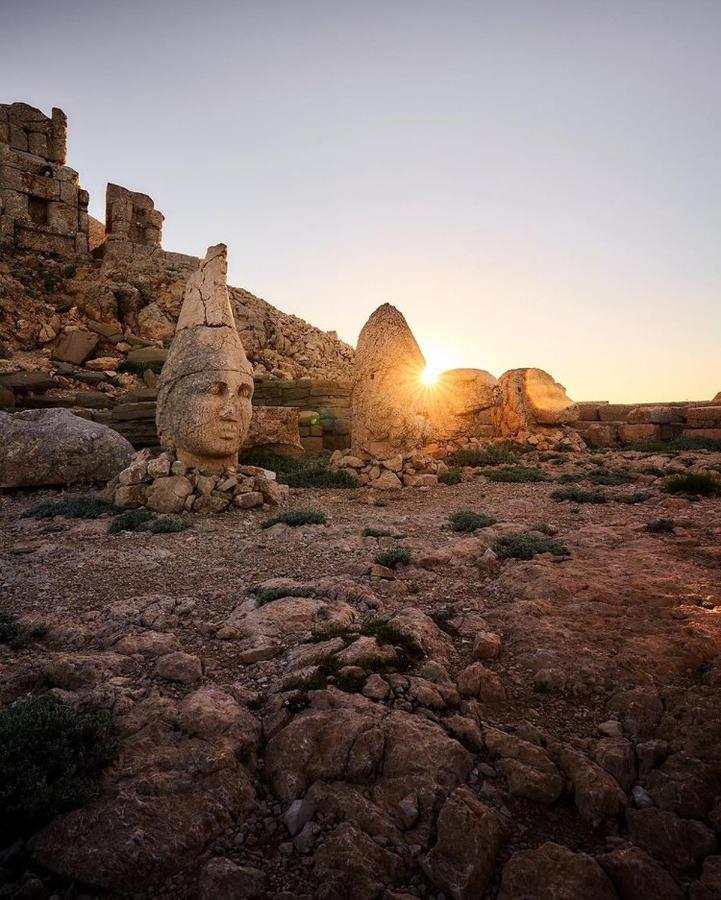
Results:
x,y
298,720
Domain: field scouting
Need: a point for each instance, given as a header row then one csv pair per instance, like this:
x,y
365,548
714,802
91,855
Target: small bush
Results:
x,y
452,476
165,525
296,517
310,470
543,527
526,545
75,506
677,445
493,455
638,497
661,526
69,271
130,520
376,533
578,495
393,557
570,478
516,474
319,477
653,470
467,521
608,478
409,650
269,594
51,757
693,483
16,635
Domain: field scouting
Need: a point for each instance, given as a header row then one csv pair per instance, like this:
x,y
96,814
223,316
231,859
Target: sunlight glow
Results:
x,y
429,376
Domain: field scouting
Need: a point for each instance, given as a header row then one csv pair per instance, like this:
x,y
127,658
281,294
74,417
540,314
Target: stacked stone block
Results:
x,y
328,402
132,224
605,424
42,206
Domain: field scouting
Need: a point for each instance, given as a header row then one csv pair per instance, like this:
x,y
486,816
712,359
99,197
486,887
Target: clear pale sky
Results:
x,y
532,183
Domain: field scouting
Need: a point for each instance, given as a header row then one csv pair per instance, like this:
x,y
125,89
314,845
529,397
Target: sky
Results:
x,y
531,183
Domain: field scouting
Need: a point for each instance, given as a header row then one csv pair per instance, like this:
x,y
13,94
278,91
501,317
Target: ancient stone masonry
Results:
x,y
132,224
42,206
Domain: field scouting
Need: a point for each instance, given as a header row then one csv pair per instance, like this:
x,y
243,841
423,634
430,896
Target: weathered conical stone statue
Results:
x,y
205,388
386,391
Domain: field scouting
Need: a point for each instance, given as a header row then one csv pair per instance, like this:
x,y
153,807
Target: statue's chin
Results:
x,y
206,463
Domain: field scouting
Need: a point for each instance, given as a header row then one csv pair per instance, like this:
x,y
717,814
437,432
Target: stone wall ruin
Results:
x,y
42,206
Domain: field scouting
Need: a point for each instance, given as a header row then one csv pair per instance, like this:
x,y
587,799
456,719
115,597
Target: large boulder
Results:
x,y
553,872
54,446
458,399
387,393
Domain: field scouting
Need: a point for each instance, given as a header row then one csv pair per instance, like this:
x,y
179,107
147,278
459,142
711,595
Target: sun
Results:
x,y
429,376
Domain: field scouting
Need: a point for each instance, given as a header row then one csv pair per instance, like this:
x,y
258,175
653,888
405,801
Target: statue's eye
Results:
x,y
244,390
218,388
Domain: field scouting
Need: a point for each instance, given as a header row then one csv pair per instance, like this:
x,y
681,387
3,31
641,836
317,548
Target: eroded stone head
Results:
x,y
386,395
206,386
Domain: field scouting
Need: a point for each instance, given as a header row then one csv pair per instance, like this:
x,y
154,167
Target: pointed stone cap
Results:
x,y
205,336
206,301
386,341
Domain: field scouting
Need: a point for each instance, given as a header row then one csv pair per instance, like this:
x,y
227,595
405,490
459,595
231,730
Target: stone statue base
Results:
x,y
165,484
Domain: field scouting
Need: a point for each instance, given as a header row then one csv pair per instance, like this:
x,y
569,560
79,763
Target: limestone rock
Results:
x,y
53,446
531,398
165,801
222,879
206,384
553,872
350,864
274,429
469,837
386,395
636,874
456,401
75,347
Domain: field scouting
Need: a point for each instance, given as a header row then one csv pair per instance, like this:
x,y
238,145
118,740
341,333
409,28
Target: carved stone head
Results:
x,y
206,386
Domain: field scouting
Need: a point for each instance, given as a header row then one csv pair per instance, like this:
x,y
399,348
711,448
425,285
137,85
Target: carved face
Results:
x,y
215,415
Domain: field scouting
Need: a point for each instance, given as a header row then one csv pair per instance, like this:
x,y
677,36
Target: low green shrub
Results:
x,y
695,483
296,517
526,545
311,470
130,520
516,474
51,757
493,455
376,533
653,470
393,557
16,635
74,506
410,651
661,526
466,521
145,520
578,495
452,476
570,478
608,478
677,445
638,497
543,527
269,594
